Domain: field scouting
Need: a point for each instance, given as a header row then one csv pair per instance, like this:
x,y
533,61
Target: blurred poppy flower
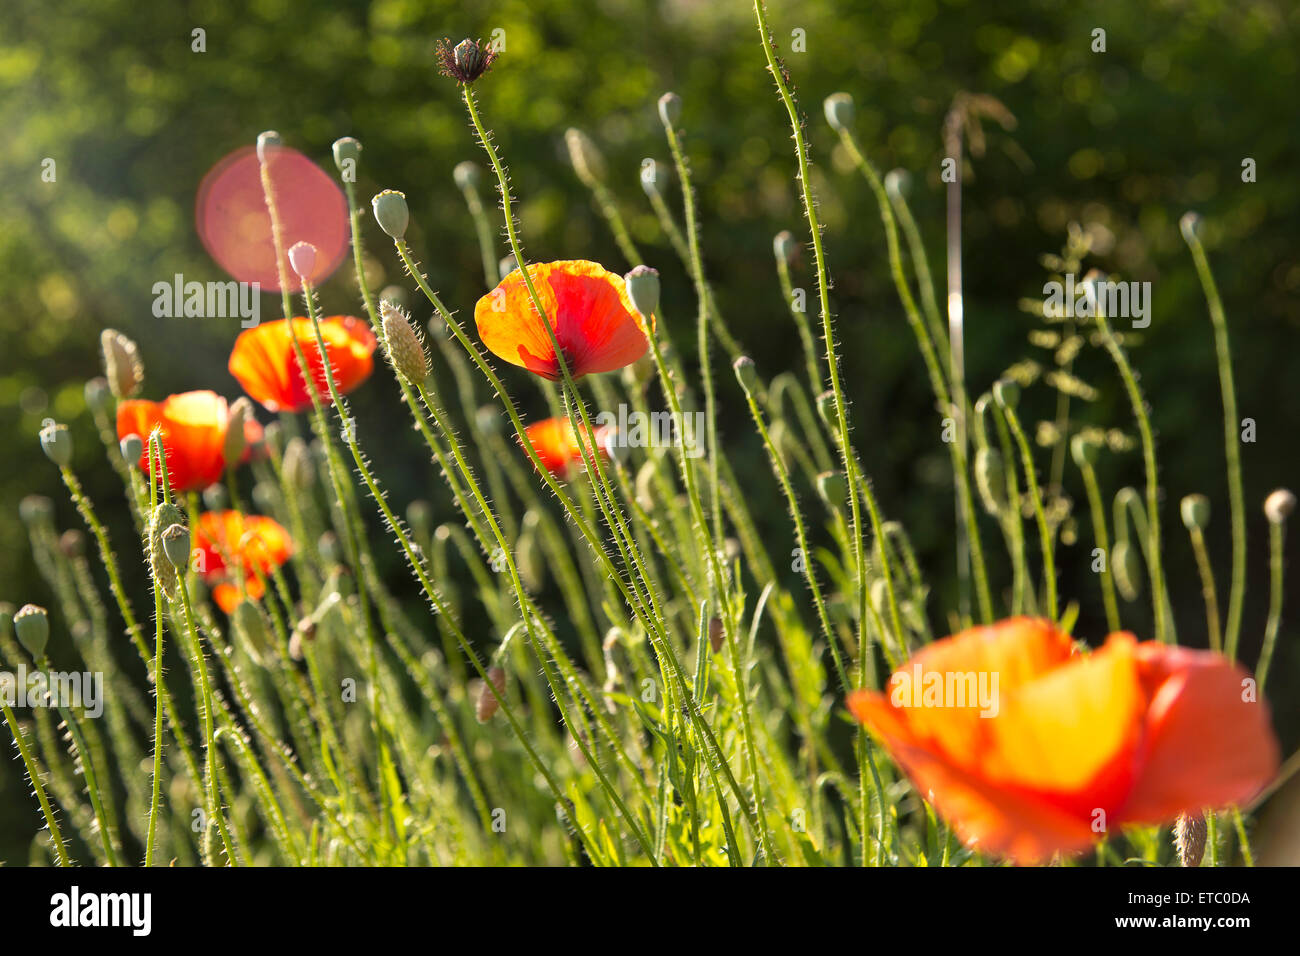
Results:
x,y
194,426
266,364
556,444
594,321
233,548
235,227
1074,744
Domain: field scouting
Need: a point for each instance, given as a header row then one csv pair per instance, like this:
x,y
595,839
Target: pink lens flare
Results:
x,y
232,221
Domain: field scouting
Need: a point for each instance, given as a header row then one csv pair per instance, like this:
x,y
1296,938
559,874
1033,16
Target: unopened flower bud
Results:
x,y
507,265
302,259
585,156
176,545
833,489
467,175
746,373
670,109
650,176
214,497
643,289
250,628
898,182
97,394
391,212
784,246
1190,225
1279,505
132,447
56,442
72,543
164,570
839,111
297,464
32,628
35,509
405,350
1195,510
346,150
122,366
488,702
236,442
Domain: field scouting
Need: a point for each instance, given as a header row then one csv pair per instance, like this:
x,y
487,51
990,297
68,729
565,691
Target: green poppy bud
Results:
x,y
1006,393
122,366
164,570
467,175
643,289
405,350
670,109
1195,510
97,394
267,143
784,246
251,631
132,447
56,442
826,409
35,509
391,212
746,374
585,156
839,111
176,545
32,628
1279,505
833,489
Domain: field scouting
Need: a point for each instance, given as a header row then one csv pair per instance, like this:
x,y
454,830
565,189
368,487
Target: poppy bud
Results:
x,y
391,212
898,182
97,394
833,489
507,265
35,509
346,150
488,702
670,109
650,176
164,570
122,365
784,246
1190,225
1279,505
302,258
839,111
1195,510
297,464
132,447
1006,392
1085,450
267,143
746,374
467,175
56,442
1127,570
716,635
241,410
1189,838
405,350
465,62
991,479
32,628
587,160
643,289
826,409
176,545
214,497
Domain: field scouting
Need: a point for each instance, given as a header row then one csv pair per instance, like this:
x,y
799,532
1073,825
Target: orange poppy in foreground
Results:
x,y
233,548
194,426
266,365
556,444
589,309
1029,747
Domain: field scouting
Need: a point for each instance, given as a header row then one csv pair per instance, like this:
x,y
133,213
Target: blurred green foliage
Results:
x,y
1123,141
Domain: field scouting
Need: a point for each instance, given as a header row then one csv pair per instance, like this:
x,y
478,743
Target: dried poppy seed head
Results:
x,y
391,212
839,111
465,62
1195,510
122,365
405,350
585,156
32,628
467,175
56,442
1279,505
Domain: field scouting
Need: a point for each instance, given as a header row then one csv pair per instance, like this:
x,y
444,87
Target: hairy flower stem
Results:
x,y
1098,512
1276,538
921,264
1045,538
1231,441
34,777
1208,591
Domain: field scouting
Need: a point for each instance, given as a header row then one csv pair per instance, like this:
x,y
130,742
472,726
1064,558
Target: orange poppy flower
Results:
x,y
233,548
1066,745
194,426
594,322
556,444
266,365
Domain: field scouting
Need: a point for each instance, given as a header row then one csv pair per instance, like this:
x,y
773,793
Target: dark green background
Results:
x,y
1129,139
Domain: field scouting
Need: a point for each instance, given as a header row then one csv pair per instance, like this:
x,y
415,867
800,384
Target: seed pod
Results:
x,y
488,703
1279,505
1127,569
405,350
122,367
587,160
32,628
716,634
991,479
839,111
391,212
1189,838
164,571
346,149
643,289
56,442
